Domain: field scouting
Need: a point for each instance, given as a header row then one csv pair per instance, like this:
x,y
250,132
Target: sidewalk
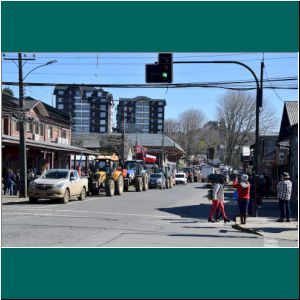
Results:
x,y
14,198
265,224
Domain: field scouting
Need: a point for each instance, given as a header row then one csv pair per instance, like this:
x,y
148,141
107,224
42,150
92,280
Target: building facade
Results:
x,y
90,109
48,135
141,115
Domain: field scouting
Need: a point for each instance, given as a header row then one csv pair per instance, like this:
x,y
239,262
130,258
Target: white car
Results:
x,y
181,178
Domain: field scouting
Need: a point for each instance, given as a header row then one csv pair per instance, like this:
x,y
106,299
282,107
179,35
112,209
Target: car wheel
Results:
x,y
66,197
82,194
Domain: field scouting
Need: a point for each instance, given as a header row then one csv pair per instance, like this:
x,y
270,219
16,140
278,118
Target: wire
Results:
x,y
272,85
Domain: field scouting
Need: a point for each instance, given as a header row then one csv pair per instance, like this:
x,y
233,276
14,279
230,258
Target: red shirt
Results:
x,y
243,192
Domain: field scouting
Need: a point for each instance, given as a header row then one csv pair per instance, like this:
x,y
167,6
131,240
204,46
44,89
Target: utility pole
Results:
x,y
257,144
22,121
22,128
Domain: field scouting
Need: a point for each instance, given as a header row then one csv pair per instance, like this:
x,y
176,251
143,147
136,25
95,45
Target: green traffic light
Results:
x,y
164,74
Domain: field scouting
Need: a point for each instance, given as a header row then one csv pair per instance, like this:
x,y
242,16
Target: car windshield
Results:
x,y
155,175
55,174
179,175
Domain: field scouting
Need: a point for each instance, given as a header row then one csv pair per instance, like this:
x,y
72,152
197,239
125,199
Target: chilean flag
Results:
x,y
150,158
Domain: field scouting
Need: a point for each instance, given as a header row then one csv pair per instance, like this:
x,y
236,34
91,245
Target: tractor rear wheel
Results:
x,y
139,184
120,185
145,183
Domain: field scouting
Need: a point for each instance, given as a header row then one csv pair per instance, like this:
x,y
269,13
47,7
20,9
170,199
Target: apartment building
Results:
x,y
141,115
90,109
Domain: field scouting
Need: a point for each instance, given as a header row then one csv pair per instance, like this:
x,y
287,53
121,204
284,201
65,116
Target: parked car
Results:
x,y
157,180
58,184
181,178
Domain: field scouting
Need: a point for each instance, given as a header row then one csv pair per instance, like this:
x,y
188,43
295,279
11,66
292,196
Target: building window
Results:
x,y
102,129
29,127
99,94
64,133
59,100
160,109
160,115
102,122
88,94
36,128
102,114
60,106
41,129
61,92
103,107
50,132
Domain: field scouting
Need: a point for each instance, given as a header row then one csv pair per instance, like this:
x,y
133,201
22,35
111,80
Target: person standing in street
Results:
x,y
284,192
218,201
243,189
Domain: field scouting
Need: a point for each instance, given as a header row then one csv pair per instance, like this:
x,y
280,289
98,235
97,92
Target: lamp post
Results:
x,y
22,126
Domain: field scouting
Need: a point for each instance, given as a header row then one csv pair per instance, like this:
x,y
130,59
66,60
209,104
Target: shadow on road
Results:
x,y
275,230
200,211
213,236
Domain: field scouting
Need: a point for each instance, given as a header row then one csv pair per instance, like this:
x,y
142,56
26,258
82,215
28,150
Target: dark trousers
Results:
x,y
285,209
243,204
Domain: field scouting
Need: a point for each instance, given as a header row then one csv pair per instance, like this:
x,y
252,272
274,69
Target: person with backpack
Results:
x,y
243,189
218,201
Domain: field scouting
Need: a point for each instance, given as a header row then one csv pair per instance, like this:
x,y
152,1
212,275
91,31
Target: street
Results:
x,y
169,218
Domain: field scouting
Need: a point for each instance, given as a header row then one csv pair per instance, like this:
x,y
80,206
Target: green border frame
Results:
x,y
150,27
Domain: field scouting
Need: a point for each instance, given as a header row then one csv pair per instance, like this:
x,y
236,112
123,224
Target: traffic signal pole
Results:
x,y
258,105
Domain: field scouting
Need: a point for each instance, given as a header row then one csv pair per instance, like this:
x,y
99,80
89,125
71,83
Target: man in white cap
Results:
x,y
284,192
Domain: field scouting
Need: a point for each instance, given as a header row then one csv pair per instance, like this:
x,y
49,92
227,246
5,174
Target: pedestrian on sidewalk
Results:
x,y
243,188
218,201
11,178
284,192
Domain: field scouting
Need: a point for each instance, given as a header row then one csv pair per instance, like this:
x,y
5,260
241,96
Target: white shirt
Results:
x,y
218,192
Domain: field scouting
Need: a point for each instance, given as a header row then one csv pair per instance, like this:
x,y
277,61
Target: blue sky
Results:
x,y
125,68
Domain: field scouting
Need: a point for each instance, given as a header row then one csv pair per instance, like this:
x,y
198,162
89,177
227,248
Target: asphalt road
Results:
x,y
168,218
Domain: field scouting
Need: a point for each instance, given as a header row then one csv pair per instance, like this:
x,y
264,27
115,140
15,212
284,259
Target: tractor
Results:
x,y
106,175
136,175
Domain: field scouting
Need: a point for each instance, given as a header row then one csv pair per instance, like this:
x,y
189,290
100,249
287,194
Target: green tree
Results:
x,y
8,91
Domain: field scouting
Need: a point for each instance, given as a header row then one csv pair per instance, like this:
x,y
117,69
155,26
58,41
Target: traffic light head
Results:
x,y
161,72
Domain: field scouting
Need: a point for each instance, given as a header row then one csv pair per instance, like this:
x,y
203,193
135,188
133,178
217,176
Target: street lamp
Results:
x,y
23,155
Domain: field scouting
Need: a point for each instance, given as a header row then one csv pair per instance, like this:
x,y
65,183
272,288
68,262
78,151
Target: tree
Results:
x,y
186,130
8,91
236,116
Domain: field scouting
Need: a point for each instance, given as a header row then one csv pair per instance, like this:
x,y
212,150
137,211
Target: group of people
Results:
x,y
11,180
245,197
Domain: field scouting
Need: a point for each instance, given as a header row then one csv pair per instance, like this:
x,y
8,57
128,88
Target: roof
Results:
x,y
292,111
140,98
47,145
289,119
153,140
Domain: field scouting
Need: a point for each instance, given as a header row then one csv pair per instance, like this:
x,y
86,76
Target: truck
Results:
x,y
207,170
60,184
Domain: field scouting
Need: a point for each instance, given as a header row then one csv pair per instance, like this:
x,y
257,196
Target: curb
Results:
x,y
248,230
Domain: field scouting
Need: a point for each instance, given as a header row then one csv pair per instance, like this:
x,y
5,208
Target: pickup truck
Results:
x,y
60,184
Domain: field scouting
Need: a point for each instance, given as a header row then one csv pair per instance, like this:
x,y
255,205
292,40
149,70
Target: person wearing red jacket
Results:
x,y
243,189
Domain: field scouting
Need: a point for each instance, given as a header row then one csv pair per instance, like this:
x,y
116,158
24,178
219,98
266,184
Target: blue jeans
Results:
x,y
243,204
285,209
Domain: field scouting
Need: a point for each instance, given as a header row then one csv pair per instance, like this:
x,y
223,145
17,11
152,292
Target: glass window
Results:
x,y
63,133
60,92
159,115
59,100
160,109
102,114
99,94
159,127
103,107
102,122
102,129
41,129
88,94
60,106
